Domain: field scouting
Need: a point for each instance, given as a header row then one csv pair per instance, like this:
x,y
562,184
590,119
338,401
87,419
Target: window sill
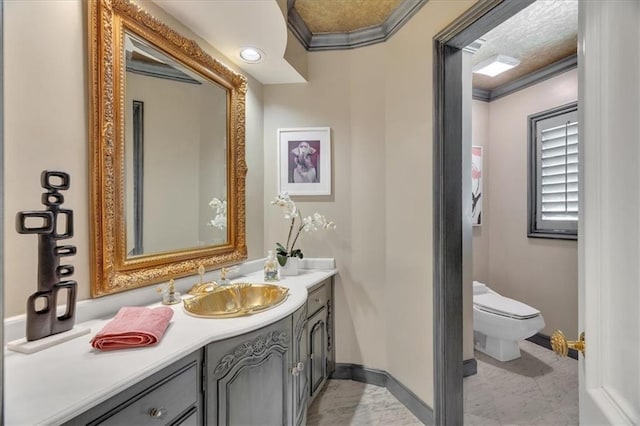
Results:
x,y
552,235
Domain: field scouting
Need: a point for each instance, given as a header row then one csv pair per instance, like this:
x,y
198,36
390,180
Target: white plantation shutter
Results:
x,y
554,168
559,184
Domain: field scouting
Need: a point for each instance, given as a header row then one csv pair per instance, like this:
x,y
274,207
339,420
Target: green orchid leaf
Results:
x,y
282,259
281,247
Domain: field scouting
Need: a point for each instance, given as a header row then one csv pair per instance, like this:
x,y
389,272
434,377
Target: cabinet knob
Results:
x,y
158,413
296,369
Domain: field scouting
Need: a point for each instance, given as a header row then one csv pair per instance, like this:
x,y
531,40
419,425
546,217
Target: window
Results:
x,y
553,173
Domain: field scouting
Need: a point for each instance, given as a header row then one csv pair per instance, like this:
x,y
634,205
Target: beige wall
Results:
x,y
378,102
46,113
539,272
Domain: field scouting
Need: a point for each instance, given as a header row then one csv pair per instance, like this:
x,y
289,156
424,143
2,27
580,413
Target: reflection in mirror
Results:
x,y
175,151
167,126
138,177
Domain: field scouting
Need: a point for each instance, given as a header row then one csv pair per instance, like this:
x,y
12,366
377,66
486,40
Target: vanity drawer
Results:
x,y
318,298
175,392
162,403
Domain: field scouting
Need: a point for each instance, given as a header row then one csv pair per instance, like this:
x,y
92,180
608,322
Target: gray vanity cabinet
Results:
x,y
249,378
265,377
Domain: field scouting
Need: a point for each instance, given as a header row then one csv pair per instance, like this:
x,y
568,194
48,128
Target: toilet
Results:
x,y
499,323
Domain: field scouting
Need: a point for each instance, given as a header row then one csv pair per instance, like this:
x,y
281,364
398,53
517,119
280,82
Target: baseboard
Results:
x,y
545,341
359,373
469,367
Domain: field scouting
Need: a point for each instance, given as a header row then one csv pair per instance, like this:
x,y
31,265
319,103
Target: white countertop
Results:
x,y
61,382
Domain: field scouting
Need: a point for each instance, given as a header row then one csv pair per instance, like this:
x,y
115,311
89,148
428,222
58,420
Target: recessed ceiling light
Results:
x,y
495,65
251,55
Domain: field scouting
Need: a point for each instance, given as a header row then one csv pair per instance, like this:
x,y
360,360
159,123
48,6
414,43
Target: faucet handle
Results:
x,y
225,270
169,294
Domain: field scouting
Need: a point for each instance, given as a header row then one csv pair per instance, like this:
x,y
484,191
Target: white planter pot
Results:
x,y
290,268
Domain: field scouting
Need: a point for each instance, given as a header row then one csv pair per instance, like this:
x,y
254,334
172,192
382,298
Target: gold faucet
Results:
x,y
202,287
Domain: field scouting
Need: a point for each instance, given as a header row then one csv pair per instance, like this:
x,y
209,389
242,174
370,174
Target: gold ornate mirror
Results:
x,y
167,152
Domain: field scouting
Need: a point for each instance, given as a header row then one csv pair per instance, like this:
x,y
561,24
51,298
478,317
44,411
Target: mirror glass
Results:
x,y
175,154
167,160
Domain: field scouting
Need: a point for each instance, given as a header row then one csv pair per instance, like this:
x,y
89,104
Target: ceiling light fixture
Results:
x,y
251,55
495,65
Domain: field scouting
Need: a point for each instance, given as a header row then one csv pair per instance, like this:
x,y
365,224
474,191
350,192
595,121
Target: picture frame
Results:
x,y
476,185
304,161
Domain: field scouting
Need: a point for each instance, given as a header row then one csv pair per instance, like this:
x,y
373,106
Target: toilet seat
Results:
x,y
499,305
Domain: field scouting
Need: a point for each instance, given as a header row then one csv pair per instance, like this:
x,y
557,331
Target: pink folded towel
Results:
x,y
133,327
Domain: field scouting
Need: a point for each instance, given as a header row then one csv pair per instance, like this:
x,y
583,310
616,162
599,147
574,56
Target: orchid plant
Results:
x,y
299,223
220,220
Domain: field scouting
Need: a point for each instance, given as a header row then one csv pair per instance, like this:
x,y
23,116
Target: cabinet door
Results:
x,y
300,357
321,296
317,351
249,378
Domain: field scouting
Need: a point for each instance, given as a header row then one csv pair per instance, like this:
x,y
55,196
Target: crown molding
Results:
x,y
552,70
352,39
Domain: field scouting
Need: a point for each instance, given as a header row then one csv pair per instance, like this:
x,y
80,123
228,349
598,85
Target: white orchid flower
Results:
x,y
220,220
289,207
308,224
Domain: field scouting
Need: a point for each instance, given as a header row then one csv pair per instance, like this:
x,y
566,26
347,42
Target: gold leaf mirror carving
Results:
x,y
167,128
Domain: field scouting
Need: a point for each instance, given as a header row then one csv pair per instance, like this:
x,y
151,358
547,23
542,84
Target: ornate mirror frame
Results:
x,y
112,271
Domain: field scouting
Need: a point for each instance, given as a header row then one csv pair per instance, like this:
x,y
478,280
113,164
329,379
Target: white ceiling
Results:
x,y
229,25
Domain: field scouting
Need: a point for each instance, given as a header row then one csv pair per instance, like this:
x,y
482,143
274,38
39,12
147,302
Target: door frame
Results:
x,y
2,298
447,198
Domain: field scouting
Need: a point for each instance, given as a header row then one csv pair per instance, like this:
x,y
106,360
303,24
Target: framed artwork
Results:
x,y
304,161
476,185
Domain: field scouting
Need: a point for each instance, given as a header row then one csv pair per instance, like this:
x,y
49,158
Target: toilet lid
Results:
x,y
500,305
479,288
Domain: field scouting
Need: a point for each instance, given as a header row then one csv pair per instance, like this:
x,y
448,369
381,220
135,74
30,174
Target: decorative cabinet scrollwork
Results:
x,y
254,348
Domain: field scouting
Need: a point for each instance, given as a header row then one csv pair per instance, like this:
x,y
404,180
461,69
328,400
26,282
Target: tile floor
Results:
x,y
539,388
344,402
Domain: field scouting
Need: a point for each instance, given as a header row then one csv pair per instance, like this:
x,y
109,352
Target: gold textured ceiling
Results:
x,y
336,16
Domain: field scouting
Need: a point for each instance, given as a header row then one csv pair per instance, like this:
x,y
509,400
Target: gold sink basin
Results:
x,y
236,300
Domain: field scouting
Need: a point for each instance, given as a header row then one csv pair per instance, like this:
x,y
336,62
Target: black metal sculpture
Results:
x,y
42,317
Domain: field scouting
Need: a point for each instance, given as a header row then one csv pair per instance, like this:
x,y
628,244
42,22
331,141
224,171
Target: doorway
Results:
x,y
448,203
